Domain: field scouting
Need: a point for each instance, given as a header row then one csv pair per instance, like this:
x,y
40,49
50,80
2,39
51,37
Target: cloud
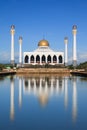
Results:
x,y
81,57
6,58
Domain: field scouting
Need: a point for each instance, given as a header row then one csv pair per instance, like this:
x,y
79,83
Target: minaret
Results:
x,y
12,44
74,31
66,51
20,50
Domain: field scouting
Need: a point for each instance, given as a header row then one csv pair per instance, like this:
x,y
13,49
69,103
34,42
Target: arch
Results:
x,y
43,59
54,59
26,59
37,59
49,59
60,59
32,59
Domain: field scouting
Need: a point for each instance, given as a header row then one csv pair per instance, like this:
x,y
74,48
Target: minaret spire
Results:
x,y
66,50
12,44
20,50
74,31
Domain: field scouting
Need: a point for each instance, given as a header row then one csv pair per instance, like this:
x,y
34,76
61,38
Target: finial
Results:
x,y
12,27
66,39
74,27
20,39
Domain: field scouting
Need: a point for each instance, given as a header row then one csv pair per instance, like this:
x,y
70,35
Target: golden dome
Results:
x,y
43,43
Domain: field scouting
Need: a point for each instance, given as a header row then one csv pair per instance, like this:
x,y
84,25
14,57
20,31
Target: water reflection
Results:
x,y
42,85
20,91
12,99
43,88
74,99
66,92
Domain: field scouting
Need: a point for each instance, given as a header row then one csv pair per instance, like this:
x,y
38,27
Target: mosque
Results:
x,y
44,54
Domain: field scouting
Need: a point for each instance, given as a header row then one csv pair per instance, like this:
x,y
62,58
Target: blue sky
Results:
x,y
34,19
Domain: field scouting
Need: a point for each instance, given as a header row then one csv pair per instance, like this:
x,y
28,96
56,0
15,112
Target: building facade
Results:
x,y
43,55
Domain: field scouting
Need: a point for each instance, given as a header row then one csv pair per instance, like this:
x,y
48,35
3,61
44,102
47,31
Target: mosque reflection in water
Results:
x,y
43,88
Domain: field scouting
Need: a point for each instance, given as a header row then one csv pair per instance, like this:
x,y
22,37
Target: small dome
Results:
x,y
74,27
43,43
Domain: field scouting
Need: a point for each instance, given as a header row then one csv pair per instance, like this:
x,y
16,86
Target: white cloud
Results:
x,y
81,57
5,57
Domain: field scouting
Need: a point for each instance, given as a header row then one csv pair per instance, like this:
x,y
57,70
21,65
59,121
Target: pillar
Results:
x,y
66,50
74,31
20,50
12,44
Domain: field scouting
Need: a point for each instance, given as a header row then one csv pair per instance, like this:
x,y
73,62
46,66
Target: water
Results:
x,y
43,103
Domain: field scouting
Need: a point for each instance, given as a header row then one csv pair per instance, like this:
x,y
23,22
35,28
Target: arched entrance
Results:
x,y
49,59
38,59
26,59
43,59
54,59
32,59
60,59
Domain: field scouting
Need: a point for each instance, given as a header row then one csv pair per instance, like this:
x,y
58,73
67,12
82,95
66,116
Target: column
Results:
x,y
12,44
20,50
74,31
66,50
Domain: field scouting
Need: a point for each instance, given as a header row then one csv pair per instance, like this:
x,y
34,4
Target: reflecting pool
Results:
x,y
43,102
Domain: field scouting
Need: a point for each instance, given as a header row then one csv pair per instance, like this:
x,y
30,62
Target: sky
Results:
x,y
38,19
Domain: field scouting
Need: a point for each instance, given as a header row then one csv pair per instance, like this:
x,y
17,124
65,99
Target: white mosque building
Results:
x,y
44,54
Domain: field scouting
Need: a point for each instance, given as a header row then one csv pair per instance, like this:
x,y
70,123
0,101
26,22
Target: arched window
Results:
x,y
60,59
32,59
43,59
49,59
54,59
26,59
37,59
